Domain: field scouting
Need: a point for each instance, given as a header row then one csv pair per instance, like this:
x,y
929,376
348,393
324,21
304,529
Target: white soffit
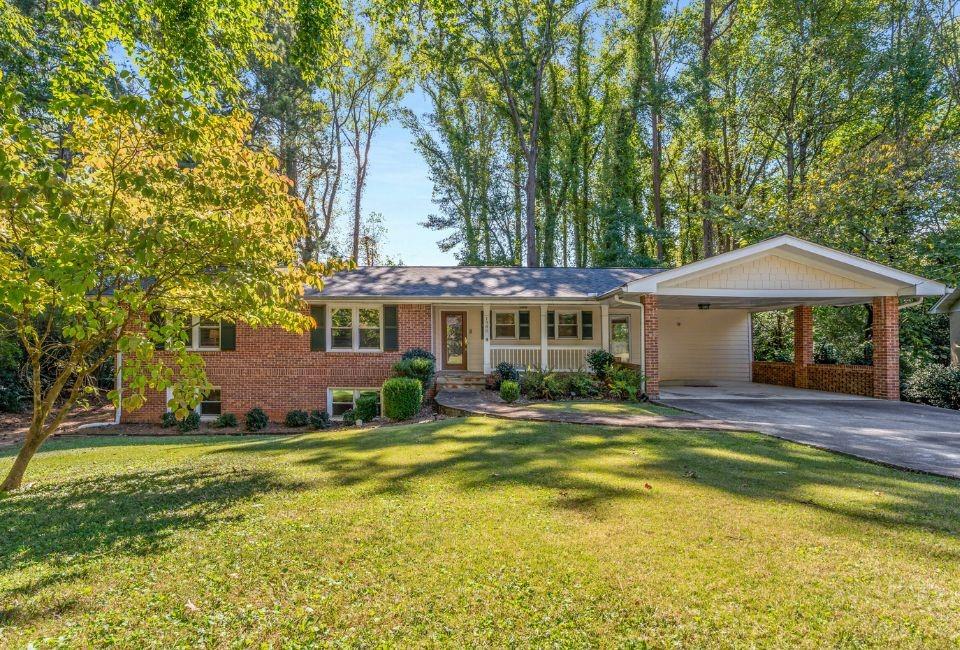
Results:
x,y
882,280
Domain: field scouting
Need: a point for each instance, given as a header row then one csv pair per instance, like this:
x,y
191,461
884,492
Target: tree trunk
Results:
x,y
656,179
530,209
15,477
708,245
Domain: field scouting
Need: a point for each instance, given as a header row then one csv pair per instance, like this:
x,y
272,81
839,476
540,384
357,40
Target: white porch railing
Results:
x,y
568,358
520,356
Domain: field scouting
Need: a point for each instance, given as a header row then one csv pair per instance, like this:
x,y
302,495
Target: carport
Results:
x,y
697,319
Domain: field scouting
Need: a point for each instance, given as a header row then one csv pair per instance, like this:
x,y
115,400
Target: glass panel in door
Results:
x,y
620,337
454,352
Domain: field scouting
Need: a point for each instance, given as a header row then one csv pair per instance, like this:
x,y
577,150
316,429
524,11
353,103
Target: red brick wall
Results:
x,y
853,380
777,373
651,344
275,369
886,347
802,344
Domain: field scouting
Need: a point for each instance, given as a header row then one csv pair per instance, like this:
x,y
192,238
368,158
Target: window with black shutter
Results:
x,y
318,335
523,325
586,325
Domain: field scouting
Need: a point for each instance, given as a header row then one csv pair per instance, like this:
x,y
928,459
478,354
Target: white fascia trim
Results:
x,y
787,242
773,293
948,304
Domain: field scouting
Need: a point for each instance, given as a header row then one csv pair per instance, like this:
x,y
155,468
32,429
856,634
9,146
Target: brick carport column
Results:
x,y
802,344
886,347
651,345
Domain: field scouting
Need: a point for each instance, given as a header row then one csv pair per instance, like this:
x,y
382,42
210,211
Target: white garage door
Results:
x,y
705,344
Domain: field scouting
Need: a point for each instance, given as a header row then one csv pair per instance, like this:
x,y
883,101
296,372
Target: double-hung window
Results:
x,y
568,325
505,325
356,329
207,334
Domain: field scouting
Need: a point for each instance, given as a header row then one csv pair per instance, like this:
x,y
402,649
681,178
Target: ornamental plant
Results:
x,y
402,398
509,391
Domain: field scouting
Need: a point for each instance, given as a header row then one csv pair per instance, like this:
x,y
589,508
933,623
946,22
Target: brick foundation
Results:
x,y
276,370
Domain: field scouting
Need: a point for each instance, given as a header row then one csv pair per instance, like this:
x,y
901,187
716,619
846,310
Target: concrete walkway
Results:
x,y
487,402
912,436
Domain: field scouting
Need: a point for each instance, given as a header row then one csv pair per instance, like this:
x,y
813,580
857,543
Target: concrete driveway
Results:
x,y
907,435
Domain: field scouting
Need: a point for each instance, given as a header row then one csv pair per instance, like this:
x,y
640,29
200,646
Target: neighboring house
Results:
x,y
689,324
950,304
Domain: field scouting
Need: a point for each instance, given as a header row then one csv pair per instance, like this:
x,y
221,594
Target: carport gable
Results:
x,y
781,272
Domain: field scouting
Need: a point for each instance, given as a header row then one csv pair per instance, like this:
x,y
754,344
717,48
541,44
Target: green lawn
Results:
x,y
605,408
476,532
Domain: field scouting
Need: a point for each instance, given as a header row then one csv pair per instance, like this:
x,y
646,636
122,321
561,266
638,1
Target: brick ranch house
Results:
x,y
688,324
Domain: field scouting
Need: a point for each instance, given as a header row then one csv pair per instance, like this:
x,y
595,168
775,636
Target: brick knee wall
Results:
x,y
776,373
276,370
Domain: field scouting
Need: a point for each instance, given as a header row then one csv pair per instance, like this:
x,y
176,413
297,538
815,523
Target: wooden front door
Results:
x,y
454,340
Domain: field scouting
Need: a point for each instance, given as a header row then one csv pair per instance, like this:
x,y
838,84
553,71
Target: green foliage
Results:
x,y
256,419
368,406
935,385
509,391
624,383
600,361
168,419
296,418
773,335
419,368
580,384
349,417
402,398
531,383
191,422
506,371
225,421
555,386
418,353
320,419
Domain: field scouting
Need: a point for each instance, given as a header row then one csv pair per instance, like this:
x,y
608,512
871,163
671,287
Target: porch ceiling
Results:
x,y
752,303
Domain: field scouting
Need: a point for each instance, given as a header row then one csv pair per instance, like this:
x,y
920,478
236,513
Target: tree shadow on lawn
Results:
x,y
593,465
65,522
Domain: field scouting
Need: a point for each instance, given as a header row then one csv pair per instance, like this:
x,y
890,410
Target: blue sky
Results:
x,y
399,188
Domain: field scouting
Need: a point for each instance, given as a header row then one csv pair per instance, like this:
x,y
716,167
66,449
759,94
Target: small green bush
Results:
x,y
580,384
225,420
402,398
320,419
624,383
935,385
189,423
556,386
418,353
509,391
367,407
168,419
531,383
600,362
349,417
419,368
297,418
256,419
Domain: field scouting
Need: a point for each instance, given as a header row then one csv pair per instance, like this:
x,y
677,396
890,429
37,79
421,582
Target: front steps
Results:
x,y
459,380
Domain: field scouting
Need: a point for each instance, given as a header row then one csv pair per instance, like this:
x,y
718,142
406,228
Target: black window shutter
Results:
x,y
156,319
318,335
391,332
228,336
523,325
551,325
586,325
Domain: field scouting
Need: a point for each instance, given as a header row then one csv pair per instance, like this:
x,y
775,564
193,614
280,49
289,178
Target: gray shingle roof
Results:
x,y
475,282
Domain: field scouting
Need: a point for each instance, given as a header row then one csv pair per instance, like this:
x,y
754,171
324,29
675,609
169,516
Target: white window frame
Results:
x,y
516,324
194,342
356,394
613,317
355,327
196,409
556,325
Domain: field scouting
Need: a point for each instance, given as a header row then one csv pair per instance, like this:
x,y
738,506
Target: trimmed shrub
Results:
x,y
349,417
189,423
225,420
367,407
509,391
419,368
418,353
402,398
168,419
506,371
297,418
600,362
320,419
531,383
256,419
935,385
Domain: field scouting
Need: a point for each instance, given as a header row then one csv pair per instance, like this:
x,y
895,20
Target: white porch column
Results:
x,y
605,326
485,333
544,360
